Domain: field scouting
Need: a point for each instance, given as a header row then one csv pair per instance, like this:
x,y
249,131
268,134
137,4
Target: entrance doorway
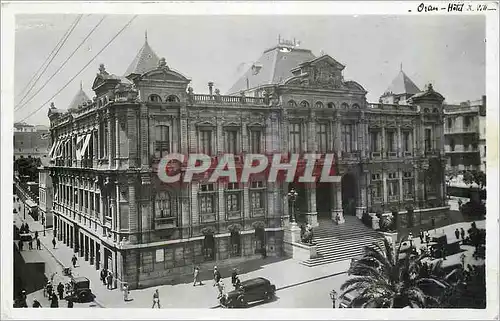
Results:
x,y
349,194
324,200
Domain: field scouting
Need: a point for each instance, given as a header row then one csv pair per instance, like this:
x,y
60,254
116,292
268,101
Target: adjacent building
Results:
x,y
45,194
110,206
31,141
465,135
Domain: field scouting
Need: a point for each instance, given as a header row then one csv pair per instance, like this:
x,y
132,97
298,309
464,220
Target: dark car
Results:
x,y
252,290
80,290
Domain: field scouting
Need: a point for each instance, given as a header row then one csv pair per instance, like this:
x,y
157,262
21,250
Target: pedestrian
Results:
x,y
54,303
433,223
60,290
70,303
74,260
54,242
126,292
427,237
234,276
43,222
237,283
457,234
462,233
156,299
459,204
38,244
220,287
104,273
421,235
49,290
27,228
196,276
36,304
20,245
30,244
217,276
109,280
36,235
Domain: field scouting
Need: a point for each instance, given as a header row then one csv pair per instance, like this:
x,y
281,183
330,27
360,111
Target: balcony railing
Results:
x,y
220,99
392,154
462,130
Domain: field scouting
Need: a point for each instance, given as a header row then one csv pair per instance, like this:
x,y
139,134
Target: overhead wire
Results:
x,y
43,71
84,67
46,59
63,64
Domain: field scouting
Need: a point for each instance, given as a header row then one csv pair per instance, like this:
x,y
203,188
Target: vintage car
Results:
x,y
80,290
252,290
25,237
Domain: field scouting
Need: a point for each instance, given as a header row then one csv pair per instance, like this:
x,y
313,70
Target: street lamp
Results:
x,y
333,296
292,195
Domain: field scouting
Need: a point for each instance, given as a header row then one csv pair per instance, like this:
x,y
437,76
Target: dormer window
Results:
x,y
155,98
172,99
256,68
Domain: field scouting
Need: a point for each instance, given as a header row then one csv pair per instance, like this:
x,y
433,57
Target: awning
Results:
x,y
30,203
52,148
85,144
55,149
60,148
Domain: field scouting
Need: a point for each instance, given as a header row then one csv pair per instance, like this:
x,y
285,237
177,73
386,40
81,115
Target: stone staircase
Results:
x,y
337,243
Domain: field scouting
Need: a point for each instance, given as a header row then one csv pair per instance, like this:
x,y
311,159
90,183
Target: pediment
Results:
x,y
164,74
231,124
322,72
205,123
255,125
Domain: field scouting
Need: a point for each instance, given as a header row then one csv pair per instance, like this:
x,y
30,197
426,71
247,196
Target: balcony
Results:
x,y
165,222
461,130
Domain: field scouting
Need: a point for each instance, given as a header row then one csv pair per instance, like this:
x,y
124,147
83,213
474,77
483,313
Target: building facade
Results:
x,y
45,192
111,207
465,135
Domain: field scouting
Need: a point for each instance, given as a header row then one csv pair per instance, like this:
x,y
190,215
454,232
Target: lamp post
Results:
x,y
292,195
333,297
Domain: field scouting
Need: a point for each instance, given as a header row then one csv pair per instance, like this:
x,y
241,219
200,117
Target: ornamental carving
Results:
x,y
325,75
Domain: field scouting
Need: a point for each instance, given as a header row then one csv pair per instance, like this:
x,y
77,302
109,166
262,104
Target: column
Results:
x,y
400,151
401,194
361,207
312,214
337,214
117,141
384,184
132,138
132,215
110,142
422,136
244,138
382,145
338,138
312,143
95,145
102,203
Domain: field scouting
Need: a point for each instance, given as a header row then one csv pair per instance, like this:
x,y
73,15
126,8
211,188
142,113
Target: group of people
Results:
x,y
235,280
107,278
56,294
460,234
25,229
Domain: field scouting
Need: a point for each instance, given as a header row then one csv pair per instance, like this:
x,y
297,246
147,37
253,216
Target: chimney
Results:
x,y
210,87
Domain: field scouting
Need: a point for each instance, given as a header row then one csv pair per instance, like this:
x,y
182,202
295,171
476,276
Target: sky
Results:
x,y
447,51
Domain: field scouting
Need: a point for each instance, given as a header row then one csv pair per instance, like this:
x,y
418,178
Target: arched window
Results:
x,y
331,105
344,106
355,106
172,99
319,104
426,110
163,205
155,98
304,104
292,103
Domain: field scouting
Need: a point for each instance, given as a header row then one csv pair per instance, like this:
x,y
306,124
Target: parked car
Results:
x,y
25,237
80,290
252,290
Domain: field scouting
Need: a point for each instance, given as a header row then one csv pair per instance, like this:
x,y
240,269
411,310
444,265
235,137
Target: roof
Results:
x,y
254,282
20,125
402,84
273,67
145,60
79,98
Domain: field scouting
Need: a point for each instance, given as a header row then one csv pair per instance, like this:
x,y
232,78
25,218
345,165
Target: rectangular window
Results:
x,y
428,140
295,136
91,198
231,141
450,123
162,141
391,141
235,244
348,138
147,262
206,142
105,149
406,141
207,204
97,204
233,202
374,145
322,138
393,188
255,137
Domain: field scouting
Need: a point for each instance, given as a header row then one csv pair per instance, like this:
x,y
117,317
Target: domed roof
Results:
x,y
79,98
145,60
402,84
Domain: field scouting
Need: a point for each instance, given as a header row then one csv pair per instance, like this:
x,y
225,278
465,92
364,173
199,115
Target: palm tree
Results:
x,y
382,279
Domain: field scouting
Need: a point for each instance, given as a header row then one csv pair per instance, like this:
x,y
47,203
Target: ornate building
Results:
x,y
110,206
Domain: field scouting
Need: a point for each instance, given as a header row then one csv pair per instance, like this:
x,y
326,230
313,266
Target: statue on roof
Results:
x,y
102,70
162,63
52,106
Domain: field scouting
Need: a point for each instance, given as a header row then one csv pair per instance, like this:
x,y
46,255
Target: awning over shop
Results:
x,y
30,204
84,141
54,149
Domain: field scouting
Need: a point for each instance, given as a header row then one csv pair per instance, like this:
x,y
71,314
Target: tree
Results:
x,y
475,177
383,280
450,175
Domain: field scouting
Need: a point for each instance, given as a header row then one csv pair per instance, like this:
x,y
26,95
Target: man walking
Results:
x,y
60,290
457,234
156,299
103,276
196,276
234,276
74,260
36,235
421,235
54,242
38,244
109,280
462,233
30,244
217,275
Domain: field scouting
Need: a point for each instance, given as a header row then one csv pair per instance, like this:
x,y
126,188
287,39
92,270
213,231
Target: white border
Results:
x,y
219,8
